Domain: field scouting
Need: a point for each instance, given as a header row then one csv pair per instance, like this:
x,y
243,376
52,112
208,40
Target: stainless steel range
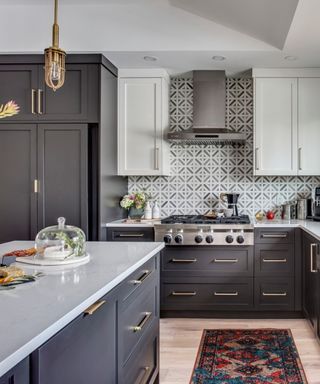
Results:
x,y
179,230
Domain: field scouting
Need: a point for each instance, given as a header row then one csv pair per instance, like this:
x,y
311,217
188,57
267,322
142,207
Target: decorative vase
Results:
x,y
135,213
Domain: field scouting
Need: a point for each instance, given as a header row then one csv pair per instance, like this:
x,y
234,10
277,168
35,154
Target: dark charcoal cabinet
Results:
x,y
311,284
18,202
25,84
62,170
70,102
20,374
276,285
83,352
19,83
130,234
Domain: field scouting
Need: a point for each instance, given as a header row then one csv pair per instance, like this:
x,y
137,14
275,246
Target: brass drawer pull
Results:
x,y
312,247
225,260
142,278
94,307
183,293
40,102
274,235
183,260
33,94
131,234
274,260
144,376
143,322
226,293
274,293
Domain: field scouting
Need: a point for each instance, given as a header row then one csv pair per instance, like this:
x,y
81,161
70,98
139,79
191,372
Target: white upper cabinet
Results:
x,y
309,126
143,119
275,126
286,121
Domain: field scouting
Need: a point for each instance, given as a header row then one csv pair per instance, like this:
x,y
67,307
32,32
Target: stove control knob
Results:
x,y
167,238
198,239
229,239
240,239
209,239
178,239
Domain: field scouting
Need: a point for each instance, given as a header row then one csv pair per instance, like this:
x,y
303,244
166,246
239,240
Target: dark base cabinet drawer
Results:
x,y
137,280
207,261
130,234
273,235
142,367
220,295
136,319
274,293
274,259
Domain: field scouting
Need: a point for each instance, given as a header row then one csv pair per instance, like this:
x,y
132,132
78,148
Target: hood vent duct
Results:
x,y
209,113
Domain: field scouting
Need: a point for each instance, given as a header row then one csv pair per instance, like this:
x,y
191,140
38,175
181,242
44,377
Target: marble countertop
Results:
x,y
32,313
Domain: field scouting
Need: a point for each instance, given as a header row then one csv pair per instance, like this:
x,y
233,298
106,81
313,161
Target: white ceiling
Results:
x,y
183,34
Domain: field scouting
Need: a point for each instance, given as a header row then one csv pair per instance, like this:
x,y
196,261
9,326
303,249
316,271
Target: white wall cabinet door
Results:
x,y
309,126
141,125
275,133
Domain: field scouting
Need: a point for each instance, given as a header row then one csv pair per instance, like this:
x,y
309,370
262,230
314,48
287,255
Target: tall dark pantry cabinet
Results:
x,y
58,155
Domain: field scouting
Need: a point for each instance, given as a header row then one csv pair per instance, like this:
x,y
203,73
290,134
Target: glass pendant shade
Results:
x,y
55,58
55,65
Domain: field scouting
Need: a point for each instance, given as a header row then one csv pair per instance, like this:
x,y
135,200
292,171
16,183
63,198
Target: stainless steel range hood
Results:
x,y
209,113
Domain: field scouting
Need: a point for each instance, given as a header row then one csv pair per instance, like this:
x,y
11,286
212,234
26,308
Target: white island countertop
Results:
x,y
34,312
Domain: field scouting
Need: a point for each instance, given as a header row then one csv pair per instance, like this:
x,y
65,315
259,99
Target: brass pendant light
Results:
x,y
55,58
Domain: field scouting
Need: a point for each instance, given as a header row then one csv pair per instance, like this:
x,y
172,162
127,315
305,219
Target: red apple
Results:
x,y
270,215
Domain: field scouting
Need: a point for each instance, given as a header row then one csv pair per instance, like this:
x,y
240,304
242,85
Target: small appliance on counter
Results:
x,y
232,200
313,205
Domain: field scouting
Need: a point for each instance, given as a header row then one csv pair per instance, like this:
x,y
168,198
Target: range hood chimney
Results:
x,y
209,113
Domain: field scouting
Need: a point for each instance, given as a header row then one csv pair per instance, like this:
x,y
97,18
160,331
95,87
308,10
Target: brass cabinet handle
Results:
x,y
156,158
226,293
187,261
225,260
312,246
143,378
173,293
274,235
274,260
143,322
274,293
142,278
33,94
131,234
94,307
40,112
36,186
299,159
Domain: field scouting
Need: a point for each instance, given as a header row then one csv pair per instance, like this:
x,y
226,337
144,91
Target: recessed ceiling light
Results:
x,y
150,58
218,58
290,58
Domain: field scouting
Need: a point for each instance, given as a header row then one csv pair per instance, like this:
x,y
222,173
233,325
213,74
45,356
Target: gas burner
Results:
x,y
200,219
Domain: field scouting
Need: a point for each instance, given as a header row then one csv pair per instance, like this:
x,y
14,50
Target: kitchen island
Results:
x,y
34,313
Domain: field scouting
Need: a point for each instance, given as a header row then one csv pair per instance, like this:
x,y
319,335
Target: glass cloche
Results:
x,y
61,241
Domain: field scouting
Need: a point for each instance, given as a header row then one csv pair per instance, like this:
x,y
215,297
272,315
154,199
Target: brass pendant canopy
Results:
x,y
55,57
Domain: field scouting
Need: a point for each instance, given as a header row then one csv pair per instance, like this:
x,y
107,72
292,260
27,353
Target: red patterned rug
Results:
x,y
250,356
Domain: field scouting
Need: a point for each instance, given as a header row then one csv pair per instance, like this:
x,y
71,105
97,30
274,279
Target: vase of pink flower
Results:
x,y
135,203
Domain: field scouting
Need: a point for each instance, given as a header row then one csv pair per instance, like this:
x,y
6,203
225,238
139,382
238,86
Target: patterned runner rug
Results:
x,y
251,356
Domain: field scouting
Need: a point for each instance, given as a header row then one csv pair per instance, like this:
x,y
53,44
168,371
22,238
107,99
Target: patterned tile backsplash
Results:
x,y
199,173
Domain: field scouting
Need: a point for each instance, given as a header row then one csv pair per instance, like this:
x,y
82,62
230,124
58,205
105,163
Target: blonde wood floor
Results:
x,y
180,338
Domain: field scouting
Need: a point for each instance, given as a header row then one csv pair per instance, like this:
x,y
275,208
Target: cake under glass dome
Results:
x,y
61,241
